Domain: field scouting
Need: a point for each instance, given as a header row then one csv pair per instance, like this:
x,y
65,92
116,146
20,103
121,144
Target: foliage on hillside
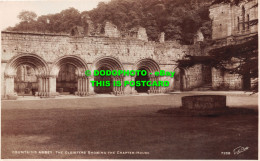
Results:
x,y
236,2
179,19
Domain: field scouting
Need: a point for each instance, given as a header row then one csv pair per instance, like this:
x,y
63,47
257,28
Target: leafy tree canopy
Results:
x,y
27,16
179,19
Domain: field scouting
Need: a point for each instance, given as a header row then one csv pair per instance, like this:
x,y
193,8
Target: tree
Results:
x,y
27,16
173,17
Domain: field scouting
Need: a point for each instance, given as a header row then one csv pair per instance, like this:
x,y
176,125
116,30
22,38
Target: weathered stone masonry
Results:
x,y
46,53
87,49
231,25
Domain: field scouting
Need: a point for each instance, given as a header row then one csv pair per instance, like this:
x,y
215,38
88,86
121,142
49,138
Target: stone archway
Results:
x,y
180,81
108,63
142,89
151,67
66,82
78,83
39,67
103,89
25,81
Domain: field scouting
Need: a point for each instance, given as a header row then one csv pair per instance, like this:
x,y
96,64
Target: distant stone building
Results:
x,y
59,61
233,24
52,64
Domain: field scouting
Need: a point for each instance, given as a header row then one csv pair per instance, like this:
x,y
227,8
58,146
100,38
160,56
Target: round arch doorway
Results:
x,y
142,89
25,82
66,82
102,88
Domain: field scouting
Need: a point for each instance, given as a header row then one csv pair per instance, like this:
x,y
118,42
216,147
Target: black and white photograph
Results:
x,y
129,79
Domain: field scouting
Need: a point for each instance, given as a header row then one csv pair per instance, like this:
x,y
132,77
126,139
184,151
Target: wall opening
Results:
x,y
25,82
179,79
66,82
207,74
142,89
103,87
243,17
246,82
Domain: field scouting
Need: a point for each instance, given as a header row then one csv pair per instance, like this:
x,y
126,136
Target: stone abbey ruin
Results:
x,y
50,64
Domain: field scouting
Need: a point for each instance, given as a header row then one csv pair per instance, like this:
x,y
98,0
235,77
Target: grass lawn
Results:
x,y
125,124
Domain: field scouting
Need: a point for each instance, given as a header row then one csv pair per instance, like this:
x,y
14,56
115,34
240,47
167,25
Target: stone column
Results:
x,y
39,79
122,86
115,88
79,87
86,88
118,90
87,85
90,87
9,85
151,88
83,86
52,86
157,89
46,81
133,91
46,86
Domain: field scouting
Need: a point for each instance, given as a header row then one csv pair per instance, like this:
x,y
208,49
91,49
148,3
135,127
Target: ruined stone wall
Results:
x,y
221,20
128,52
229,19
193,77
225,81
111,30
230,25
141,35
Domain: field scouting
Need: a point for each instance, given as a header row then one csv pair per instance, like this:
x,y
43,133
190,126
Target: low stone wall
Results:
x,y
202,102
225,81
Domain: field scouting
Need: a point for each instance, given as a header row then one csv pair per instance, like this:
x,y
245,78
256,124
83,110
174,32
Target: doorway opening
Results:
x,y
104,88
25,82
142,89
66,83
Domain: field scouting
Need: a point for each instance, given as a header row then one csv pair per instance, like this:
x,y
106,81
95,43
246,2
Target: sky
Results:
x,y
9,10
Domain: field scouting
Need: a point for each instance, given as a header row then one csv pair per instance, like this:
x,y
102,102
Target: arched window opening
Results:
x,y
25,82
248,22
238,24
243,17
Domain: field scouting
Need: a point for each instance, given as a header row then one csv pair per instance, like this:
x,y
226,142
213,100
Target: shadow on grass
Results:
x,y
178,112
136,128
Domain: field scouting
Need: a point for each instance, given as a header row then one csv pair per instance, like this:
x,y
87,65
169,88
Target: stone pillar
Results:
x,y
122,86
90,87
133,91
118,90
82,86
151,90
157,89
52,86
83,89
162,37
85,82
46,86
87,85
9,85
39,79
115,88
154,89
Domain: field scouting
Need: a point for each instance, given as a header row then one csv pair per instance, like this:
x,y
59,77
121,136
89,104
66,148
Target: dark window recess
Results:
x,y
243,17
